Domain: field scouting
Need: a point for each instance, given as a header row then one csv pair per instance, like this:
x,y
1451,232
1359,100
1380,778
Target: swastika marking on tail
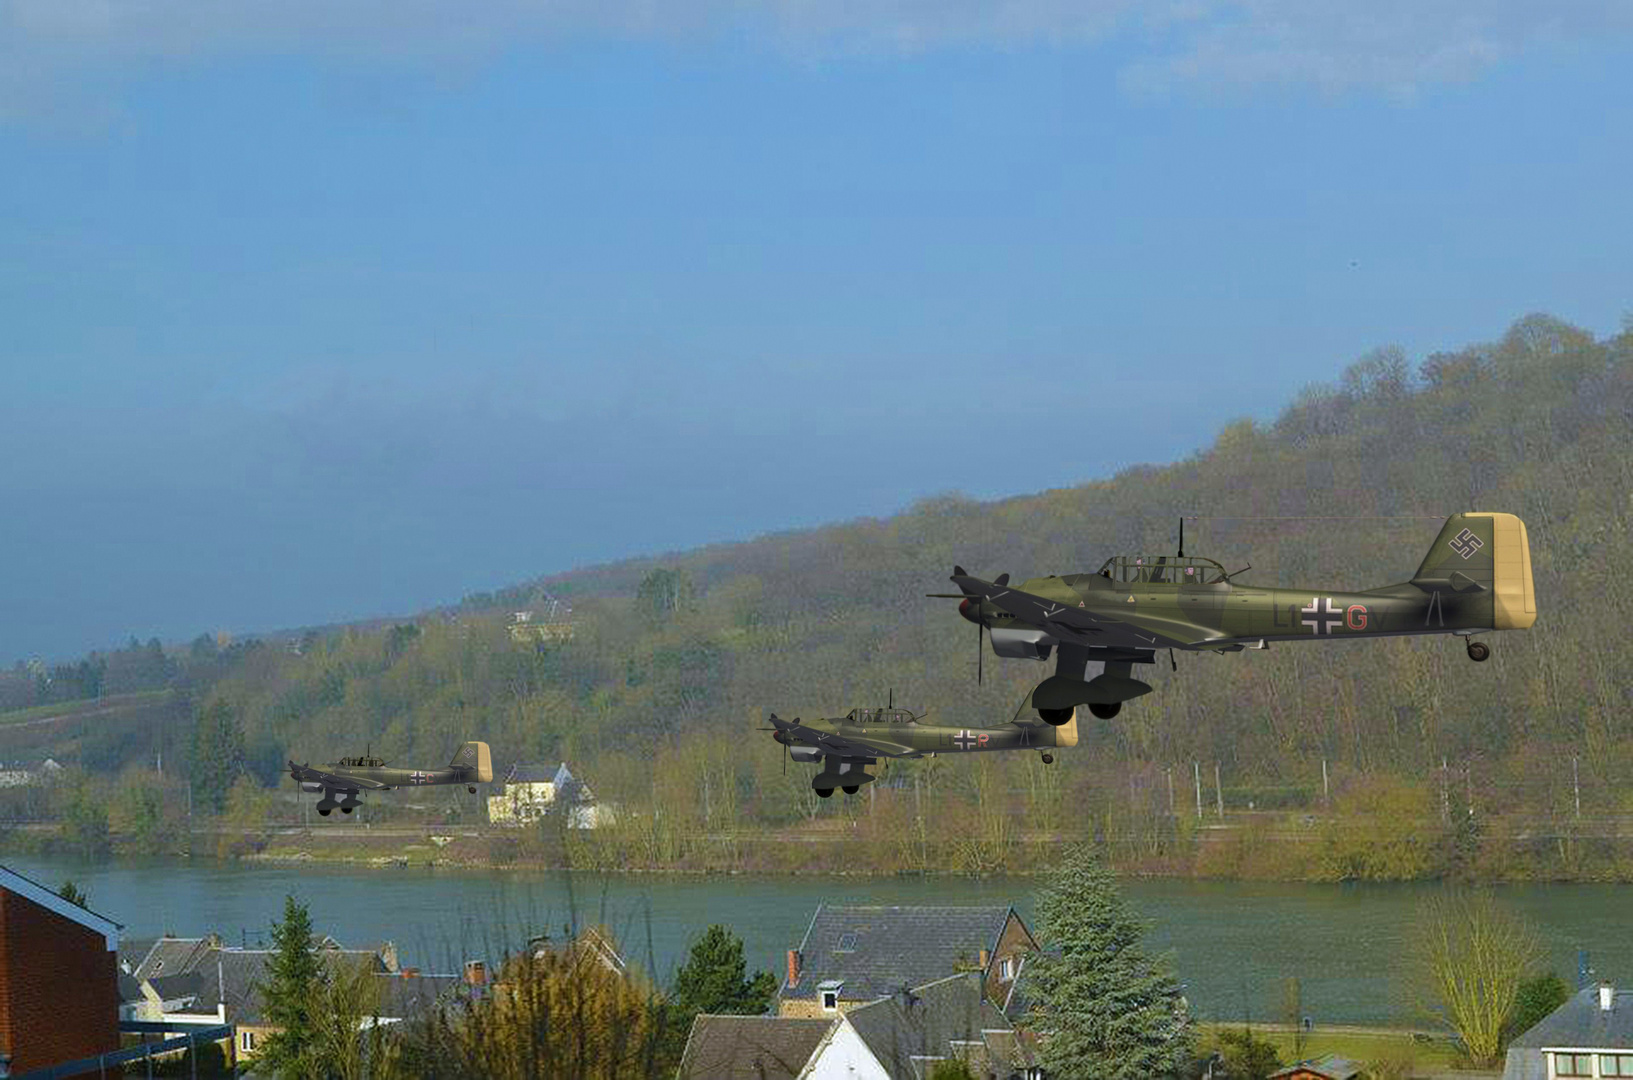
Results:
x,y
1465,543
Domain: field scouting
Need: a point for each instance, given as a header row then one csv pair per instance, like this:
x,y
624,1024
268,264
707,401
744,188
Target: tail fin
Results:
x,y
1486,552
475,755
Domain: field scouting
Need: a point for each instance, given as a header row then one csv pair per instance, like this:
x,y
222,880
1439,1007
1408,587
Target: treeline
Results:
x,y
673,662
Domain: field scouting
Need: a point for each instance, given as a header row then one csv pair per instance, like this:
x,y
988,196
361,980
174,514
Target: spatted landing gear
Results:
x,y
1048,759
1107,711
324,806
347,807
852,789
1479,651
1056,717
823,792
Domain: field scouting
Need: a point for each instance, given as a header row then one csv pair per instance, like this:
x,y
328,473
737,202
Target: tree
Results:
x,y
664,592
71,893
713,978
1104,1008
292,993
1246,1056
218,755
1537,997
343,1047
951,1069
1472,955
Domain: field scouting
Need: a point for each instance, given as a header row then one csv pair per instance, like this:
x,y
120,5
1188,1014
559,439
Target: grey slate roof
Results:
x,y
172,956
750,1047
1581,1024
405,997
926,1021
232,975
877,950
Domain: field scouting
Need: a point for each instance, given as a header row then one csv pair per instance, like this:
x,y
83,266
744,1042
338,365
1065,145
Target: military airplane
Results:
x,y
351,776
845,747
1475,579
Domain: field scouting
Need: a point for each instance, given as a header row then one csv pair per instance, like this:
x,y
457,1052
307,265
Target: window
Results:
x,y
847,943
830,1000
1006,969
1573,1064
1616,1064
248,1041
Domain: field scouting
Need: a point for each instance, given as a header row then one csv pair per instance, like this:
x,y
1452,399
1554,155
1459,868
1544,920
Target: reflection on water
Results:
x,y
1234,941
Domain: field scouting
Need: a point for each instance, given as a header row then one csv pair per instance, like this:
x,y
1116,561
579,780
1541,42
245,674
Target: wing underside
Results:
x,y
1081,626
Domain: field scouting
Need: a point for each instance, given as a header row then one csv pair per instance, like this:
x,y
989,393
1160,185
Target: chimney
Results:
x,y
476,973
793,968
410,973
986,958
1607,997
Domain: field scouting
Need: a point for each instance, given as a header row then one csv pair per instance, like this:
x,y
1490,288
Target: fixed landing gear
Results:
x,y
851,789
1479,651
471,788
324,806
823,792
347,807
1056,717
1106,712
1048,759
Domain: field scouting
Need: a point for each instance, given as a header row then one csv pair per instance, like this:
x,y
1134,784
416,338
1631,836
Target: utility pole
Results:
x,y
1196,770
1576,784
1445,796
1326,789
1170,771
1218,791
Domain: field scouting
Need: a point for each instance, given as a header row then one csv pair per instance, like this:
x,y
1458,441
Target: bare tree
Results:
x,y
1471,955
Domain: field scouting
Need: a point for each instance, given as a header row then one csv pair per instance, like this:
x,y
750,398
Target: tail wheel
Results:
x,y
1479,651
1106,712
1056,717
1048,759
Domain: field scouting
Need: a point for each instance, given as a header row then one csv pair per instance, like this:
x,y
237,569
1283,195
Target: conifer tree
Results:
x,y
294,984
713,979
1104,1008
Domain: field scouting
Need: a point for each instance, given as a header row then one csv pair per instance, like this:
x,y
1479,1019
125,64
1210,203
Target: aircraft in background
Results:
x,y
349,777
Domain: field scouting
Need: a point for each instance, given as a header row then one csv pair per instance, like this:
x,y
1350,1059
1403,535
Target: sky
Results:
x,y
317,310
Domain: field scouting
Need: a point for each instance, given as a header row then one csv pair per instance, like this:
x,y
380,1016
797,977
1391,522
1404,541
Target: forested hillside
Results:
x,y
656,698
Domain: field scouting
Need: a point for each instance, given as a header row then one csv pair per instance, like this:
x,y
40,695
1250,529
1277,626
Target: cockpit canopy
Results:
x,y
364,762
879,716
1162,570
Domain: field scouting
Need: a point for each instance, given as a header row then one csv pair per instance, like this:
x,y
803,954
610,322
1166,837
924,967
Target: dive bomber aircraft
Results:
x,y
845,747
349,777
1475,579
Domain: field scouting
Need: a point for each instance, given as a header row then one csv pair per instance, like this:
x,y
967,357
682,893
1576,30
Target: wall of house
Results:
x,y
59,987
1013,943
843,1056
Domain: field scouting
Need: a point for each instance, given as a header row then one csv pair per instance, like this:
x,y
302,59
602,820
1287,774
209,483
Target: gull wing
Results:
x,y
341,783
1085,626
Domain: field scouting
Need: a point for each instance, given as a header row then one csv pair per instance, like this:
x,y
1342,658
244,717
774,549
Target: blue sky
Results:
x,y
316,311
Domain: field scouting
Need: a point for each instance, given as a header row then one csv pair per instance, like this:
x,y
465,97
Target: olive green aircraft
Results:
x,y
845,747
349,777
1475,579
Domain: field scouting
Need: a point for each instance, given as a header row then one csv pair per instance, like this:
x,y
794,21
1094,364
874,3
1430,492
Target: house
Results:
x,y
856,954
59,977
532,791
1591,1035
1331,1067
903,1036
18,773
750,1047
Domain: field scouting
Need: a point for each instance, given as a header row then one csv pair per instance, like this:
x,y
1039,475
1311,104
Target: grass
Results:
x,y
67,708
1358,1044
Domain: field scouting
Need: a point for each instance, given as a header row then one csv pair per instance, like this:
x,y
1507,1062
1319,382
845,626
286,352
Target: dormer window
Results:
x,y
828,990
847,943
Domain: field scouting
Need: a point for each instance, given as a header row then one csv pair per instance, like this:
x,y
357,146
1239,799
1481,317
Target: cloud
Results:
x,y
52,51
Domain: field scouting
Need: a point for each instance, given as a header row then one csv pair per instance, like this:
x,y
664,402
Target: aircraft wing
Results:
x,y
310,775
830,742
1086,627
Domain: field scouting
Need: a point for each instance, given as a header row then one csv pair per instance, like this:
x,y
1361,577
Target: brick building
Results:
x,y
59,977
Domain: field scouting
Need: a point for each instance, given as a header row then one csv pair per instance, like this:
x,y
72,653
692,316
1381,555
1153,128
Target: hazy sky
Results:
x,y
322,309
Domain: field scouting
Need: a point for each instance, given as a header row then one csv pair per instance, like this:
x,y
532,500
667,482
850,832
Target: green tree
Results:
x,y
1471,957
951,1069
1537,997
664,591
71,893
218,755
714,978
1246,1056
84,816
1108,1011
292,992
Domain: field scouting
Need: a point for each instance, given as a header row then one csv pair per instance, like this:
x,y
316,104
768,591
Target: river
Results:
x,y
1233,942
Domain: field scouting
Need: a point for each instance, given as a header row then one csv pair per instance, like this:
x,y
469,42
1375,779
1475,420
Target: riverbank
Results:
x,y
1241,846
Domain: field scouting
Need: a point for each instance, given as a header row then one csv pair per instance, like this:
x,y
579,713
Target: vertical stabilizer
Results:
x,y
475,755
1488,553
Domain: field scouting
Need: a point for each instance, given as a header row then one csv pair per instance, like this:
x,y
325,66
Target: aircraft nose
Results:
x,y
966,608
